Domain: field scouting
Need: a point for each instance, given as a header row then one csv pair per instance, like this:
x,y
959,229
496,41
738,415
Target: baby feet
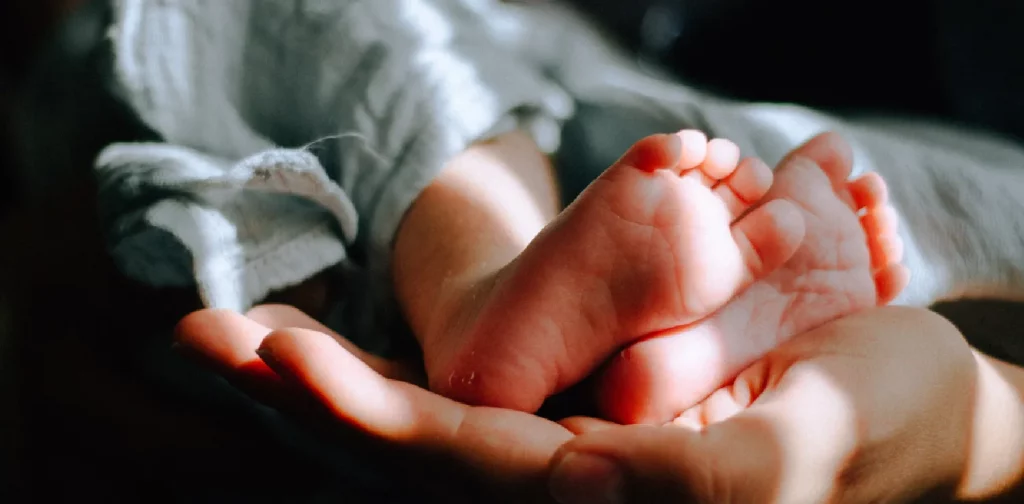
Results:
x,y
848,261
662,239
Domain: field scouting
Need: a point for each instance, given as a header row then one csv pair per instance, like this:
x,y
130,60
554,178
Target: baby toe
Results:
x,y
868,191
722,159
880,221
694,149
655,152
890,282
886,249
767,237
746,186
830,152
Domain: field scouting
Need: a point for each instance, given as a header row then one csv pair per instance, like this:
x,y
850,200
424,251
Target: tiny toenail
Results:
x,y
582,478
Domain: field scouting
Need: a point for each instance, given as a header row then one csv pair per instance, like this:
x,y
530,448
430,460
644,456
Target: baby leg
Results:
x,y
650,245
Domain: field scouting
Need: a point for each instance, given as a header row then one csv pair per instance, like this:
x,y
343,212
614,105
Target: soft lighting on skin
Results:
x,y
810,423
994,461
820,438
373,403
514,200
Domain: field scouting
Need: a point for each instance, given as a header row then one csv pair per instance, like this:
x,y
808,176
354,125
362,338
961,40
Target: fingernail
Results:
x,y
266,356
582,478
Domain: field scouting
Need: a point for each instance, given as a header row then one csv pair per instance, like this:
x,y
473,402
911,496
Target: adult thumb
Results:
x,y
738,460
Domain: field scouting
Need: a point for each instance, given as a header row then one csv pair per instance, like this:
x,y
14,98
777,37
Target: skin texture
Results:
x,y
954,431
844,264
635,244
886,405
662,239
380,409
302,363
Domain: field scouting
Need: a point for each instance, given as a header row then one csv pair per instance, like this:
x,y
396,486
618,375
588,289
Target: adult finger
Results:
x,y
226,342
279,316
581,424
494,451
745,458
852,409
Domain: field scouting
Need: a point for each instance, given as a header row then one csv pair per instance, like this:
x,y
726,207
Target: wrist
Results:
x,y
995,460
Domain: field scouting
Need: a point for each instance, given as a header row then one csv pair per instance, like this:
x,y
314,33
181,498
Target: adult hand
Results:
x,y
284,358
876,407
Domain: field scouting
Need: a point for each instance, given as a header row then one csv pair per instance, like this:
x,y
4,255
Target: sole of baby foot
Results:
x,y
664,237
849,261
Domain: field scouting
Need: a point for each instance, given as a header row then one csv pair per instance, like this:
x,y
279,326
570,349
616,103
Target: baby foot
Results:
x,y
651,244
848,261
